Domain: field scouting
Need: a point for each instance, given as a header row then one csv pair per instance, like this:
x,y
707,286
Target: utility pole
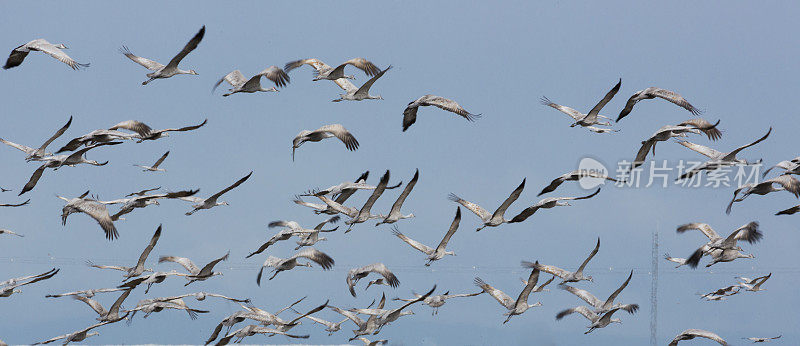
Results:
x,y
654,290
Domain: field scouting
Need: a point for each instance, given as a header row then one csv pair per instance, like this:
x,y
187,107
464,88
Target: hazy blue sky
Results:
x,y
736,60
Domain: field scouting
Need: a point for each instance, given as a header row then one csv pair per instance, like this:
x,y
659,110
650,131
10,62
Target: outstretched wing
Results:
x,y
188,48
675,98
614,295
209,268
149,248
732,154
147,63
498,295
237,183
342,134
403,195
57,134
563,109
583,294
511,198
452,230
478,210
415,244
185,262
364,89
325,261
586,261
592,115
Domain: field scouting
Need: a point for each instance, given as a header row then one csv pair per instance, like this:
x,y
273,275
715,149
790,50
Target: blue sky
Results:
x,y
737,61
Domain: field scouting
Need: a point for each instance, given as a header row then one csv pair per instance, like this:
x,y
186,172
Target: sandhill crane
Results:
x,y
754,285
786,183
490,220
292,228
14,281
355,274
149,306
282,264
789,166
372,343
77,336
142,192
145,132
590,118
131,203
384,317
325,72
370,326
755,339
597,320
749,233
364,214
195,273
9,232
311,237
2,189
112,314
575,175
149,280
717,159
94,209
138,269
697,333
330,327
548,203
171,69
653,92
154,167
252,85
671,131
439,252
253,329
362,93
86,293
567,276
436,301
96,136
254,313
410,113
15,205
18,54
55,162
210,202
678,260
344,190
725,291
395,213
11,285
514,307
34,154
327,131
601,306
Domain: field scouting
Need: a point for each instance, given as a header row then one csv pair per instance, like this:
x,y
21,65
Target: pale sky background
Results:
x,y
736,60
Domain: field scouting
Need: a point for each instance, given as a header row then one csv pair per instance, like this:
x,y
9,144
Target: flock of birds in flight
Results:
x,y
369,320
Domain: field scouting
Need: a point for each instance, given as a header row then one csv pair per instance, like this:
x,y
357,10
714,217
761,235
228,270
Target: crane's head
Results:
x,y
61,46
193,72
